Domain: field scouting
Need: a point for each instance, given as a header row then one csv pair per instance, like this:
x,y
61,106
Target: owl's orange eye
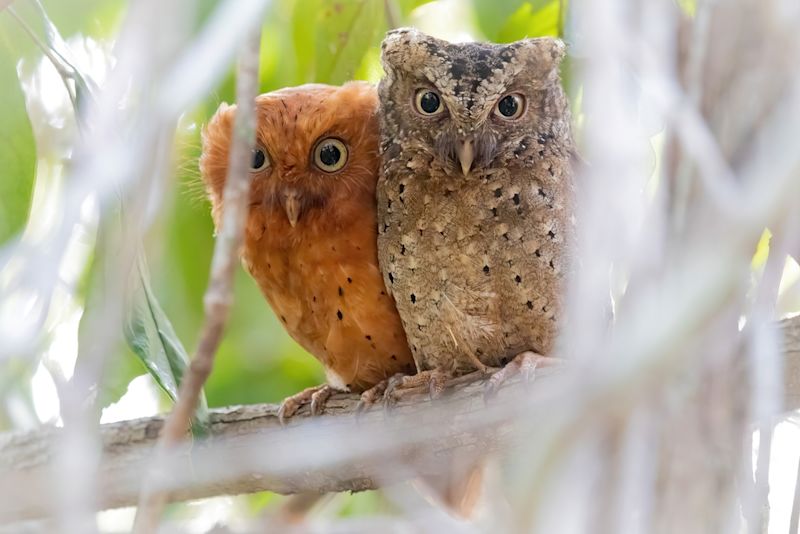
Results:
x,y
428,102
510,106
330,155
260,160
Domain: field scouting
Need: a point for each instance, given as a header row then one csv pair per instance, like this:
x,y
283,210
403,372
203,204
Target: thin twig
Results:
x,y
219,294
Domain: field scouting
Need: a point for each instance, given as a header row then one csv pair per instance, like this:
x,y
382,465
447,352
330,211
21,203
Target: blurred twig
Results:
x,y
219,294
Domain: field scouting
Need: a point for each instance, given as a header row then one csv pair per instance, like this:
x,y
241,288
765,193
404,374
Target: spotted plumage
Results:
x,y
310,238
474,197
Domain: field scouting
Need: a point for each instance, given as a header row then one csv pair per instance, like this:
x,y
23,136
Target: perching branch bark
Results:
x,y
25,481
219,295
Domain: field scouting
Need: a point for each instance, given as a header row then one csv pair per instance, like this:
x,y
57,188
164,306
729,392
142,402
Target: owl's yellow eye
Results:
x,y
428,102
330,155
510,106
260,160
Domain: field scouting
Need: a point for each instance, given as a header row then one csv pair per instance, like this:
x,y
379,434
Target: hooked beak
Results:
x,y
291,204
466,153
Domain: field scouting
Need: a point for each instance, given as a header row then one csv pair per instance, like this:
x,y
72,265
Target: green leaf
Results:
x,y
504,21
17,147
150,335
345,31
532,21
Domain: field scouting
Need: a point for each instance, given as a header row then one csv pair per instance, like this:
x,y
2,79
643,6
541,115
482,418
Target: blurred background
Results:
x,y
673,132
304,41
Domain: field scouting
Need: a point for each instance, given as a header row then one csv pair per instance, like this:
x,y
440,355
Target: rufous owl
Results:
x,y
475,210
310,237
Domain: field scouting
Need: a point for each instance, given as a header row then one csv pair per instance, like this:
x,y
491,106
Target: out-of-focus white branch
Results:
x,y
219,295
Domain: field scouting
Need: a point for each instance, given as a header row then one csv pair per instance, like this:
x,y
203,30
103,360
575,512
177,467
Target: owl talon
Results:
x,y
316,395
523,364
371,396
319,398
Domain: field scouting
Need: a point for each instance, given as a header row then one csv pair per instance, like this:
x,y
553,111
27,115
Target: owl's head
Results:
x,y
470,105
316,151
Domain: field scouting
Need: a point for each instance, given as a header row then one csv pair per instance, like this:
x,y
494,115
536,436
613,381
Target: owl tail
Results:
x,y
458,488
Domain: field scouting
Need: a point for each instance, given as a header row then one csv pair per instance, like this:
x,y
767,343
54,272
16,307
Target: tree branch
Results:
x,y
249,450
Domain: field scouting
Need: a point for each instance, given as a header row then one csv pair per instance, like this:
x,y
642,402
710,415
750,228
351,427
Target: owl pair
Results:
x,y
422,228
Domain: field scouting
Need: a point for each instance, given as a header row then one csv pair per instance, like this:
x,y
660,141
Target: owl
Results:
x,y
475,211
310,236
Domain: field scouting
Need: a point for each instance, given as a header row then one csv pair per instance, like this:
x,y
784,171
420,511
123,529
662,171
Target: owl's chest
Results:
x,y
481,258
460,215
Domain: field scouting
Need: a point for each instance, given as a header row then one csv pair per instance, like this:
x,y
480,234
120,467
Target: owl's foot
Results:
x,y
371,396
524,364
401,386
317,396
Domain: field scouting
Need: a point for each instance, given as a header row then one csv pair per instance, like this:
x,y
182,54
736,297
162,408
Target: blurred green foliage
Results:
x,y
17,147
321,41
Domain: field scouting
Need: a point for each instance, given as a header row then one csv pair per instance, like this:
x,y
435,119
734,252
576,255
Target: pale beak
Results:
x,y
466,153
291,204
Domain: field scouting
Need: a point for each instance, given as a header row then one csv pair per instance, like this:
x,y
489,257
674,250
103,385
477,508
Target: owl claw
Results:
x,y
523,364
371,396
317,396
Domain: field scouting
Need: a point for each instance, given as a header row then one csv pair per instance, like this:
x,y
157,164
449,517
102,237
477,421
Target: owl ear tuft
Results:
x,y
546,52
396,45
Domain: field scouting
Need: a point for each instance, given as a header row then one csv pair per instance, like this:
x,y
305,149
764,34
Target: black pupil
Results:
x,y
429,102
508,106
258,159
329,155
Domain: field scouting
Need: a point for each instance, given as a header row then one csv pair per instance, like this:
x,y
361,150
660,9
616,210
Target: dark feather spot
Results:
x,y
518,279
537,253
413,298
401,188
541,191
498,192
402,250
394,357
339,314
349,280
341,291
551,234
391,278
283,318
486,269
551,265
506,236
515,198
458,68
494,212
369,338
529,304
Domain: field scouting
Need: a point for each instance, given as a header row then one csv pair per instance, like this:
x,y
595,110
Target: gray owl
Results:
x,y
475,205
